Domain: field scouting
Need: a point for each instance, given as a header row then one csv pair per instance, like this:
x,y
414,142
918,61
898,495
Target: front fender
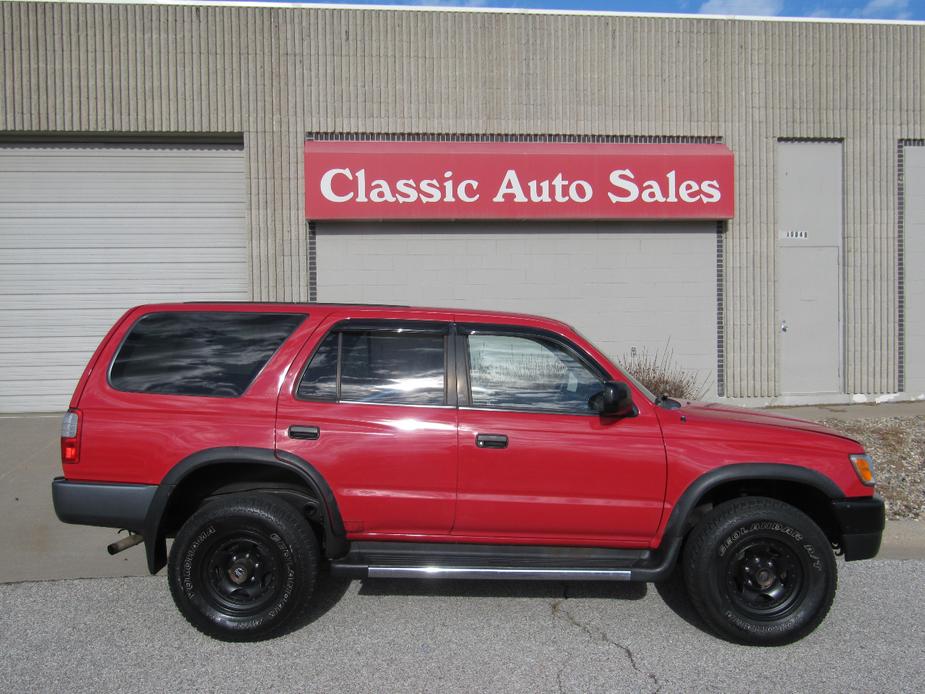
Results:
x,y
743,472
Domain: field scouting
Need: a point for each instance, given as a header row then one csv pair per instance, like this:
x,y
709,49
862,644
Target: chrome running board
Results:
x,y
448,560
484,573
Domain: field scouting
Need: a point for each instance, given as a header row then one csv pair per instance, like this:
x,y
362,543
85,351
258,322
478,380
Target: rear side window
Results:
x,y
378,366
216,354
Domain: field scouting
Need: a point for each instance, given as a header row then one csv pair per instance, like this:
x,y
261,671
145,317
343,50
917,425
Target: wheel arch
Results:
x,y
226,469
808,490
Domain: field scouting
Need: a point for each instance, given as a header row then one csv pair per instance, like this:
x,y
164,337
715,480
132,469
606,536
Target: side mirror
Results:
x,y
615,400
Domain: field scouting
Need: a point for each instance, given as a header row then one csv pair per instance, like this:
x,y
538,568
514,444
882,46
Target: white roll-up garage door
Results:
x,y
87,231
642,286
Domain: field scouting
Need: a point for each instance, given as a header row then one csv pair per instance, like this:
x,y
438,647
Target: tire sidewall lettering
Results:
x,y
761,526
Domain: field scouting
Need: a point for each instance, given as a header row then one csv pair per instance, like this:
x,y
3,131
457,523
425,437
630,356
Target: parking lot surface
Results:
x,y
414,636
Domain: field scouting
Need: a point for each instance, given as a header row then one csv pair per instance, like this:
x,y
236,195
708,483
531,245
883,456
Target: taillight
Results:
x,y
70,437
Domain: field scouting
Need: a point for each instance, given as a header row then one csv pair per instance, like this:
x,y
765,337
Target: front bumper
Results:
x,y
103,504
861,523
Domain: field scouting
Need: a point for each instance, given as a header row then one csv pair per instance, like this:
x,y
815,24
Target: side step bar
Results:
x,y
499,562
500,573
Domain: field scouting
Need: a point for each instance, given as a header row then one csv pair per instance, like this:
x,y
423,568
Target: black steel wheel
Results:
x,y
243,567
760,571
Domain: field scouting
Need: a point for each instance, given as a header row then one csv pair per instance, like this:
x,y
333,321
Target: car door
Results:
x,y
536,462
371,411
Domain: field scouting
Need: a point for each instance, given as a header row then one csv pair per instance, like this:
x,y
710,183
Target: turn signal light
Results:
x,y
70,437
864,468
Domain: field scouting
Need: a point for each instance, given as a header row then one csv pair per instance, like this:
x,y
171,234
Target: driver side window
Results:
x,y
510,372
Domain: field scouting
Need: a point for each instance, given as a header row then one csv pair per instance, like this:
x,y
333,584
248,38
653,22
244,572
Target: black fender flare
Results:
x,y
774,472
155,538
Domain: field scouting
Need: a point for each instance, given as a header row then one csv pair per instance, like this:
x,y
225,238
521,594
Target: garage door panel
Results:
x,y
127,256
644,285
49,371
26,386
80,302
77,212
40,360
116,232
28,345
58,160
87,232
142,189
181,268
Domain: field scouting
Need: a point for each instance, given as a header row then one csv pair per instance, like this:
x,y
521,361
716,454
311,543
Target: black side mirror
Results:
x,y
615,400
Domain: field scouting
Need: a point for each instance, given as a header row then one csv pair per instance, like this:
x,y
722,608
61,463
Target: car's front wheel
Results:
x,y
243,567
760,571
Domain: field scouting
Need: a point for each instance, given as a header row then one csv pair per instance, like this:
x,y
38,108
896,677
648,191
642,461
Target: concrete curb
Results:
x,y
903,539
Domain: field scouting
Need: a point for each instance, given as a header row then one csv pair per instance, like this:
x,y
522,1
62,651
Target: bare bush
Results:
x,y
659,373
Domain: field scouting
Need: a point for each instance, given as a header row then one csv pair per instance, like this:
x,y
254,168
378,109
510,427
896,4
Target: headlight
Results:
x,y
864,467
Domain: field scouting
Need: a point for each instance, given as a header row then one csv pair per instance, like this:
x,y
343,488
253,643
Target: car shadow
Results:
x,y
673,593
330,590
546,590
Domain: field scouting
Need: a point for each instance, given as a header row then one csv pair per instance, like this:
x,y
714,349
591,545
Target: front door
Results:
x,y
373,414
536,463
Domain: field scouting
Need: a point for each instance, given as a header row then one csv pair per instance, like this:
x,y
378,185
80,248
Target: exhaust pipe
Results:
x,y
124,543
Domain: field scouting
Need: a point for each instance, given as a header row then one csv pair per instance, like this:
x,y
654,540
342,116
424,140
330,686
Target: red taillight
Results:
x,y
70,437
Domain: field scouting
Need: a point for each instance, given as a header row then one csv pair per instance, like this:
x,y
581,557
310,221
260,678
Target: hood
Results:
x,y
727,413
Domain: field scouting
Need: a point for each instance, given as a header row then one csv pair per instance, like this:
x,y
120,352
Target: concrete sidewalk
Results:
x,y
861,411
36,546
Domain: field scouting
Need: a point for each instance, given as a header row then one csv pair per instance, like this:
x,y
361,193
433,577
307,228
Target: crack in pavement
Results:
x,y
594,634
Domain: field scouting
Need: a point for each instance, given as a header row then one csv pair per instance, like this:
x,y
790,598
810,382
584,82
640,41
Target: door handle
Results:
x,y
783,326
491,440
304,432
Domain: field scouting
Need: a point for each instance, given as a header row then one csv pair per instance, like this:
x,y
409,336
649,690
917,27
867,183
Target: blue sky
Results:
x,y
854,9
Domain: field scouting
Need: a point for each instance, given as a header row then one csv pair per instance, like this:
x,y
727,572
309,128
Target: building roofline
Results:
x,y
485,10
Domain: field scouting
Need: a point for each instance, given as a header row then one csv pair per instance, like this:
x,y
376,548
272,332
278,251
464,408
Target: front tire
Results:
x,y
243,567
760,572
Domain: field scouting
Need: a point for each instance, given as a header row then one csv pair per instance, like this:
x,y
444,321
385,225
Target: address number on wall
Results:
x,y
794,234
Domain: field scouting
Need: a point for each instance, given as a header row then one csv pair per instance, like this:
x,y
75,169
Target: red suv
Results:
x,y
431,443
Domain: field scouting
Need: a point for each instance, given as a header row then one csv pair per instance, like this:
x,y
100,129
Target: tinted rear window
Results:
x,y
199,353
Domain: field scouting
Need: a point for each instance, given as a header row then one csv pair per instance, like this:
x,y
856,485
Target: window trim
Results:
x,y
387,325
500,330
125,336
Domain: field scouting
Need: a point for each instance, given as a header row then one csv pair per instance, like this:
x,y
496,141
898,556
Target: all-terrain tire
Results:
x,y
243,567
759,571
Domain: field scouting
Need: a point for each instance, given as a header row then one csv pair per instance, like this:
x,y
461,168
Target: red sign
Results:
x,y
516,180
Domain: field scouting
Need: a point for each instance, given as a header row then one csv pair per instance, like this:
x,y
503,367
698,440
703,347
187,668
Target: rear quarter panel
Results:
x,y
139,437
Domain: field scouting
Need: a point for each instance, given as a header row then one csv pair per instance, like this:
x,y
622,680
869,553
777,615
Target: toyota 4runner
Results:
x,y
403,442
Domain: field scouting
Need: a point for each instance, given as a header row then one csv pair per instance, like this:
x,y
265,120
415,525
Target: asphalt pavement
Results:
x,y
107,635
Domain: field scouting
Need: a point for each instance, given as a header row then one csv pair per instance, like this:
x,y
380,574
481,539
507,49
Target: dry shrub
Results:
x,y
659,373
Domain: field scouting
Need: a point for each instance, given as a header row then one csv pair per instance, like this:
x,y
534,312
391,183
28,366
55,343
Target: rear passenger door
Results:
x,y
372,410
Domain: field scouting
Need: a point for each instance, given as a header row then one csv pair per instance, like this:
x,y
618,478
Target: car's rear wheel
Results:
x,y
759,571
243,567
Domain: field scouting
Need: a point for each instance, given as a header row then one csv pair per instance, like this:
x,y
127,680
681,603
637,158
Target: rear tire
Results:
x,y
760,572
243,568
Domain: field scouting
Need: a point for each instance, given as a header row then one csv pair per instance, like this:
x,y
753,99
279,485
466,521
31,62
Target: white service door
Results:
x,y
809,217
648,286
914,263
87,231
